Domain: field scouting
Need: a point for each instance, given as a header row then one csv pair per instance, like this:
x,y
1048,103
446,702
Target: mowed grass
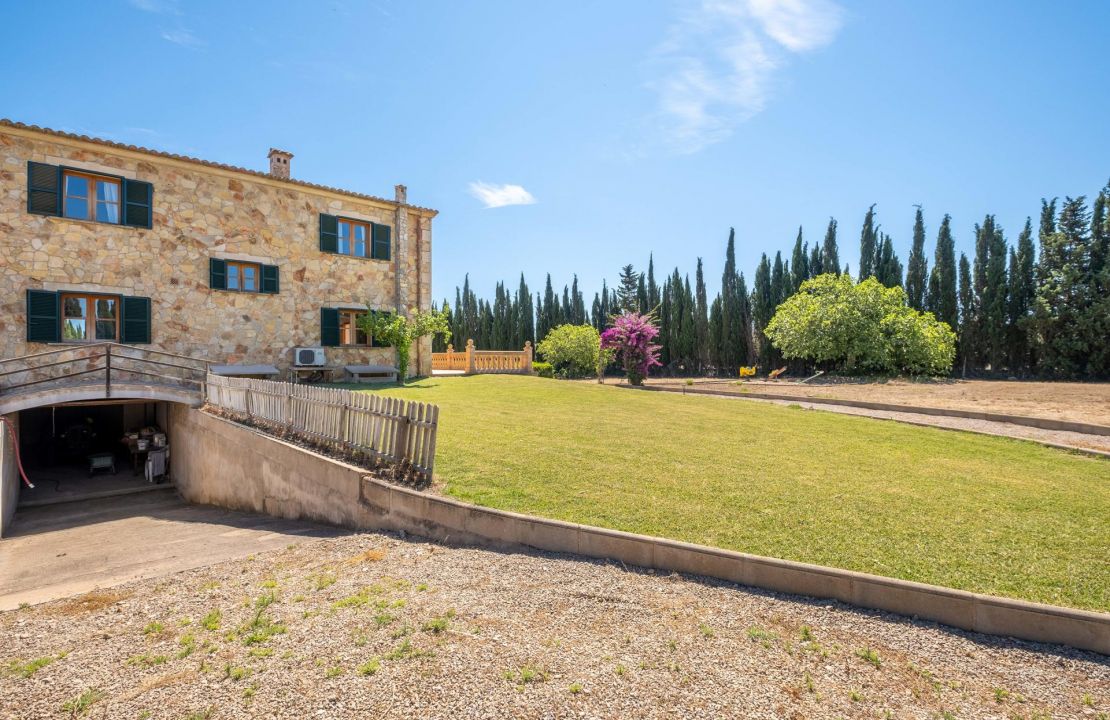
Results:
x,y
979,513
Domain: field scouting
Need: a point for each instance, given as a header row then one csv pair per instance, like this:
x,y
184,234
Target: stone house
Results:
x,y
182,263
105,241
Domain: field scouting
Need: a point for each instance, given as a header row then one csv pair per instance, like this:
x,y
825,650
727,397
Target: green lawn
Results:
x,y
965,511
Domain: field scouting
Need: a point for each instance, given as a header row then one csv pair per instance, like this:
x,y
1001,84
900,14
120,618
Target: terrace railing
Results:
x,y
395,431
472,361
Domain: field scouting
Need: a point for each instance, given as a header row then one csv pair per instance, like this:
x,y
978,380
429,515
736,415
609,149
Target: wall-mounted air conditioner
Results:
x,y
308,357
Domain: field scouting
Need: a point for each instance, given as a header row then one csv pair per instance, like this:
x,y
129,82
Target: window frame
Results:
x,y
91,200
352,315
351,223
239,266
90,308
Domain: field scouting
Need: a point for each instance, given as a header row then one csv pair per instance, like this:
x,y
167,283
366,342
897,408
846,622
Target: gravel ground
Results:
x,y
1079,402
379,626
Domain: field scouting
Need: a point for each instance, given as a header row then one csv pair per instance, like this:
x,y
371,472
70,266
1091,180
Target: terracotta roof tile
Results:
x,y
208,163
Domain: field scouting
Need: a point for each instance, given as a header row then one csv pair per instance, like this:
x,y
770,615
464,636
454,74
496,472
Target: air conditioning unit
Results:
x,y
308,357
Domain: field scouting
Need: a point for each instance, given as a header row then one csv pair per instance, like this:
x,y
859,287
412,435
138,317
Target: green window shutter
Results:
x,y
42,316
217,274
329,327
44,189
270,282
329,233
135,322
138,203
380,249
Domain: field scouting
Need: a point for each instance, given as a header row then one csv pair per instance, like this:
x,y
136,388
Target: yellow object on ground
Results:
x,y
747,371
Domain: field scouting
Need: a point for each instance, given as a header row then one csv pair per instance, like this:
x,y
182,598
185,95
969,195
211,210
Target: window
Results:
x,y
90,197
243,276
352,238
349,331
89,317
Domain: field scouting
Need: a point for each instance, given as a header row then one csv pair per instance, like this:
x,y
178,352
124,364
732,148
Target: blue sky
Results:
x,y
632,127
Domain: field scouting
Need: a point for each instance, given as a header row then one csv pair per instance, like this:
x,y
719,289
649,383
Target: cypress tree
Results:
x,y
1021,293
701,319
642,295
942,281
888,269
715,334
778,282
1098,318
799,265
666,344
1065,294
745,352
994,307
731,332
868,245
816,261
763,309
652,286
966,332
626,291
688,332
527,312
829,251
917,267
597,318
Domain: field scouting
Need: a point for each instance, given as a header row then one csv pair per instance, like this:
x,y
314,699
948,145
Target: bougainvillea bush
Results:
x,y
632,338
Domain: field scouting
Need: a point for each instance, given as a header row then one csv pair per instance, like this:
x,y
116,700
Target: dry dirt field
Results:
x,y
374,625
1078,402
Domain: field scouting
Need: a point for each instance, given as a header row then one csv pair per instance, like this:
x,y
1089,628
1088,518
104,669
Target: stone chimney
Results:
x,y
401,194
279,163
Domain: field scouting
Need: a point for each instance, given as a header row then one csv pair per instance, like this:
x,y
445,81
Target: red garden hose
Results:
x,y
15,446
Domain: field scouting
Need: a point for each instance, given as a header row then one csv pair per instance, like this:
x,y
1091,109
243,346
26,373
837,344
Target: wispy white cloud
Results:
x,y
717,65
495,196
184,38
159,7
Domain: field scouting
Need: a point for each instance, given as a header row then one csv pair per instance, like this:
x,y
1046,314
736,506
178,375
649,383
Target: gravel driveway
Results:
x,y
373,625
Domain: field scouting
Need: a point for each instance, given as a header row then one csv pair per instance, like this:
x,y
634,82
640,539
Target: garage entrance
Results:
x,y
93,449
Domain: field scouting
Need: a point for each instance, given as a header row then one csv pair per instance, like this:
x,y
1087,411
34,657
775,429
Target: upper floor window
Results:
x,y
90,197
352,238
89,317
243,276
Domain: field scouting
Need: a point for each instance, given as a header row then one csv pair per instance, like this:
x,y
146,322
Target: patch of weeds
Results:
x,y
383,619
705,630
855,696
298,598
309,614
362,597
80,704
24,606
439,624
406,651
575,688
527,674
1088,700
764,637
620,670
946,715
154,628
269,584
793,406
1001,695
210,585
422,587
672,645
236,674
188,645
324,580
402,632
261,628
185,622
260,652
369,667
806,634
147,660
810,687
870,656
371,555
29,668
249,692
334,671
145,715
201,714
211,621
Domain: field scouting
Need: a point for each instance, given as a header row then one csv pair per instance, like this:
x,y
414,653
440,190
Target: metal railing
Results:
x,y
399,432
105,363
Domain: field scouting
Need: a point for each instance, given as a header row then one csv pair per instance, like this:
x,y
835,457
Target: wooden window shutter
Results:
x,y
43,321
217,274
270,282
44,189
329,233
135,322
380,249
138,203
329,327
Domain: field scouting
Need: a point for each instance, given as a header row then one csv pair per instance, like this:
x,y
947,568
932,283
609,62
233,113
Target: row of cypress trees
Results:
x,y
1016,311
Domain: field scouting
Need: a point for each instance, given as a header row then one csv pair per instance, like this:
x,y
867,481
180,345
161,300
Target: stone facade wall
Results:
x,y
202,212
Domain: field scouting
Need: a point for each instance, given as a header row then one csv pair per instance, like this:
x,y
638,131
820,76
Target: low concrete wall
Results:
x,y
222,463
1042,423
9,475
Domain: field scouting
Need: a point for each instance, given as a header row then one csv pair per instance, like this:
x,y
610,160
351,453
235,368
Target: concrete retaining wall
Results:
x,y
221,463
9,475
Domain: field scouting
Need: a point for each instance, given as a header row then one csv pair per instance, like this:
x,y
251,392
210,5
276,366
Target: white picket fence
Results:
x,y
385,428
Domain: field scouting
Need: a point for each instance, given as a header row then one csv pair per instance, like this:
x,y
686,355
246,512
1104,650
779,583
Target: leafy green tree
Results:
x,y
1065,295
829,252
943,301
627,290
868,245
917,266
401,332
866,327
439,340
572,350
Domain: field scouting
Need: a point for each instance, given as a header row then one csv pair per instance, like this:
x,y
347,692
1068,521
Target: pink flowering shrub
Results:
x,y
631,337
